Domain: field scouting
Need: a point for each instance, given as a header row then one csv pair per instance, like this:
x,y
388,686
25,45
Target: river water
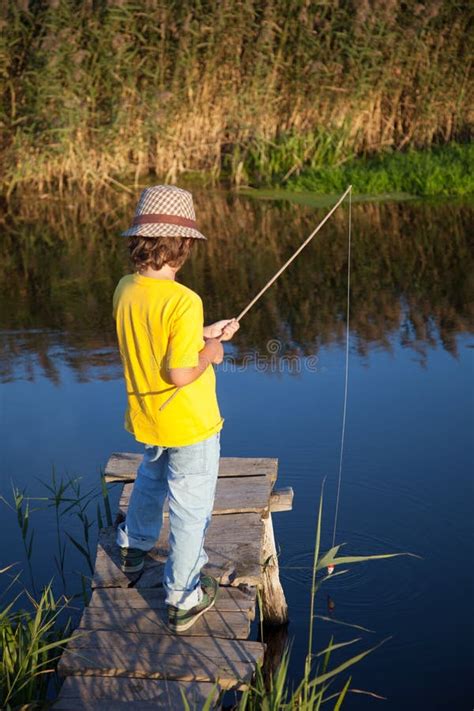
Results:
x,y
407,466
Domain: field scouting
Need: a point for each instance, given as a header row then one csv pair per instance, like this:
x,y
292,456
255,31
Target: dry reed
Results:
x,y
99,92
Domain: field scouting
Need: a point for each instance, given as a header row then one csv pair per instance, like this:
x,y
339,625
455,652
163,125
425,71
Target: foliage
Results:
x,y
31,642
97,93
446,170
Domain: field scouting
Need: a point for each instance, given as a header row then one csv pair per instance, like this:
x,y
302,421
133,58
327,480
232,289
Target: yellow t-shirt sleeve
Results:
x,y
185,338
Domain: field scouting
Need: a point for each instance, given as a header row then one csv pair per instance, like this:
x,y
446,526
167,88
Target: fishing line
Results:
x,y
346,376
275,276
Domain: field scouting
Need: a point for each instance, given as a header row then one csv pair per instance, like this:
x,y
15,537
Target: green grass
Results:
x,y
442,171
31,642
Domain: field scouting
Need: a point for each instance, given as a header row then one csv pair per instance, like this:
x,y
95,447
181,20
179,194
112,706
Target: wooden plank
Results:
x,y
254,498
122,466
232,565
229,599
248,466
281,499
231,625
233,495
233,544
116,693
97,653
232,650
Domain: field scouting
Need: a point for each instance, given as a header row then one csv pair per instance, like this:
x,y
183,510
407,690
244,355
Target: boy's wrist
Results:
x,y
213,350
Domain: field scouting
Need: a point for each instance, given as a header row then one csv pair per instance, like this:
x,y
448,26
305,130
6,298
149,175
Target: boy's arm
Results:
x,y
212,352
187,357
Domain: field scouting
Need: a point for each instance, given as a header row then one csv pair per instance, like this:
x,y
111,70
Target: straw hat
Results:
x,y
164,211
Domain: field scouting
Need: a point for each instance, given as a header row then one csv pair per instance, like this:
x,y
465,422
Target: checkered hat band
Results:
x,y
153,219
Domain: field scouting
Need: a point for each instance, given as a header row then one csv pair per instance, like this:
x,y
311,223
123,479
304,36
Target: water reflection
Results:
x,y
412,279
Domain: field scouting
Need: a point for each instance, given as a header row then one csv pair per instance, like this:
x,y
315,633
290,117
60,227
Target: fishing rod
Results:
x,y
275,276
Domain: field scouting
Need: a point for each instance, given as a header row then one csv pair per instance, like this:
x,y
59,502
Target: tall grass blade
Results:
x,y
324,618
106,499
85,552
331,647
345,665
342,695
317,544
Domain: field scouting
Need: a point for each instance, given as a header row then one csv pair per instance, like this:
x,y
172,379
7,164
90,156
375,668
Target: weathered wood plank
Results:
x,y
233,544
274,606
233,495
281,499
231,625
98,653
122,466
117,693
229,649
229,599
253,497
224,565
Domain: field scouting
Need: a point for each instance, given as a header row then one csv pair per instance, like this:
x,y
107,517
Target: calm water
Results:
x,y
406,480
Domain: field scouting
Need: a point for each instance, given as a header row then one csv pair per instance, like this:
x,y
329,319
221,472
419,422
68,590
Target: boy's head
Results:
x,y
163,229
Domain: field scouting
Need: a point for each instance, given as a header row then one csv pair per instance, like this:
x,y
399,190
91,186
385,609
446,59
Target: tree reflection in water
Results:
x,y
411,278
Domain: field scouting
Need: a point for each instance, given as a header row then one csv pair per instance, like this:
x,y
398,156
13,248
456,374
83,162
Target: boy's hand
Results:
x,y
224,330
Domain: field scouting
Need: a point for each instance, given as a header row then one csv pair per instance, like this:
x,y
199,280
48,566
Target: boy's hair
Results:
x,y
155,252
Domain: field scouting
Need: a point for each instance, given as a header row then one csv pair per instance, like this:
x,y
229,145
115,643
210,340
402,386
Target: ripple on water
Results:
x,y
365,585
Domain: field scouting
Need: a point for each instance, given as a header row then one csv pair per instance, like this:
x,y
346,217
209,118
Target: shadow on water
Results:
x,y
412,276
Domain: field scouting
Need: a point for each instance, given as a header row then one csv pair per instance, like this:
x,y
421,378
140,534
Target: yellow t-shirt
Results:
x,y
159,326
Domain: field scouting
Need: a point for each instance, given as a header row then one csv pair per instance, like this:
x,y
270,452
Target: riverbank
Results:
x,y
99,93
440,172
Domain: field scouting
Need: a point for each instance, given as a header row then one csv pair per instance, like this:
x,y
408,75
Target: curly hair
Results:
x,y
155,252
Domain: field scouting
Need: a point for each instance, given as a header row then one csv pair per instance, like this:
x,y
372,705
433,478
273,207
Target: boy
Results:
x,y
163,345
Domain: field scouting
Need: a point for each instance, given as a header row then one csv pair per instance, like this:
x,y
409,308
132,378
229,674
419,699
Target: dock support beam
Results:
x,y
274,606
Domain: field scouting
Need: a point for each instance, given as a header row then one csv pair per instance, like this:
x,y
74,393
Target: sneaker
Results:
x,y
181,620
131,559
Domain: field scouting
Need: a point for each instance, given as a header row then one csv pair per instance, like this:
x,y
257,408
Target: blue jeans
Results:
x,y
188,476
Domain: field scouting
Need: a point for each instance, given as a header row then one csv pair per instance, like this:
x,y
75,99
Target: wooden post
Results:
x,y
274,607
276,642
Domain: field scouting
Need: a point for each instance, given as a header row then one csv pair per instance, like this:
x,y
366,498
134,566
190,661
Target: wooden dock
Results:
x,y
124,653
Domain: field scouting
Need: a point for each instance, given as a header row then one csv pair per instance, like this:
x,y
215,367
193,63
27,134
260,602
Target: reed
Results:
x,y
20,505
78,515
95,95
32,637
31,642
